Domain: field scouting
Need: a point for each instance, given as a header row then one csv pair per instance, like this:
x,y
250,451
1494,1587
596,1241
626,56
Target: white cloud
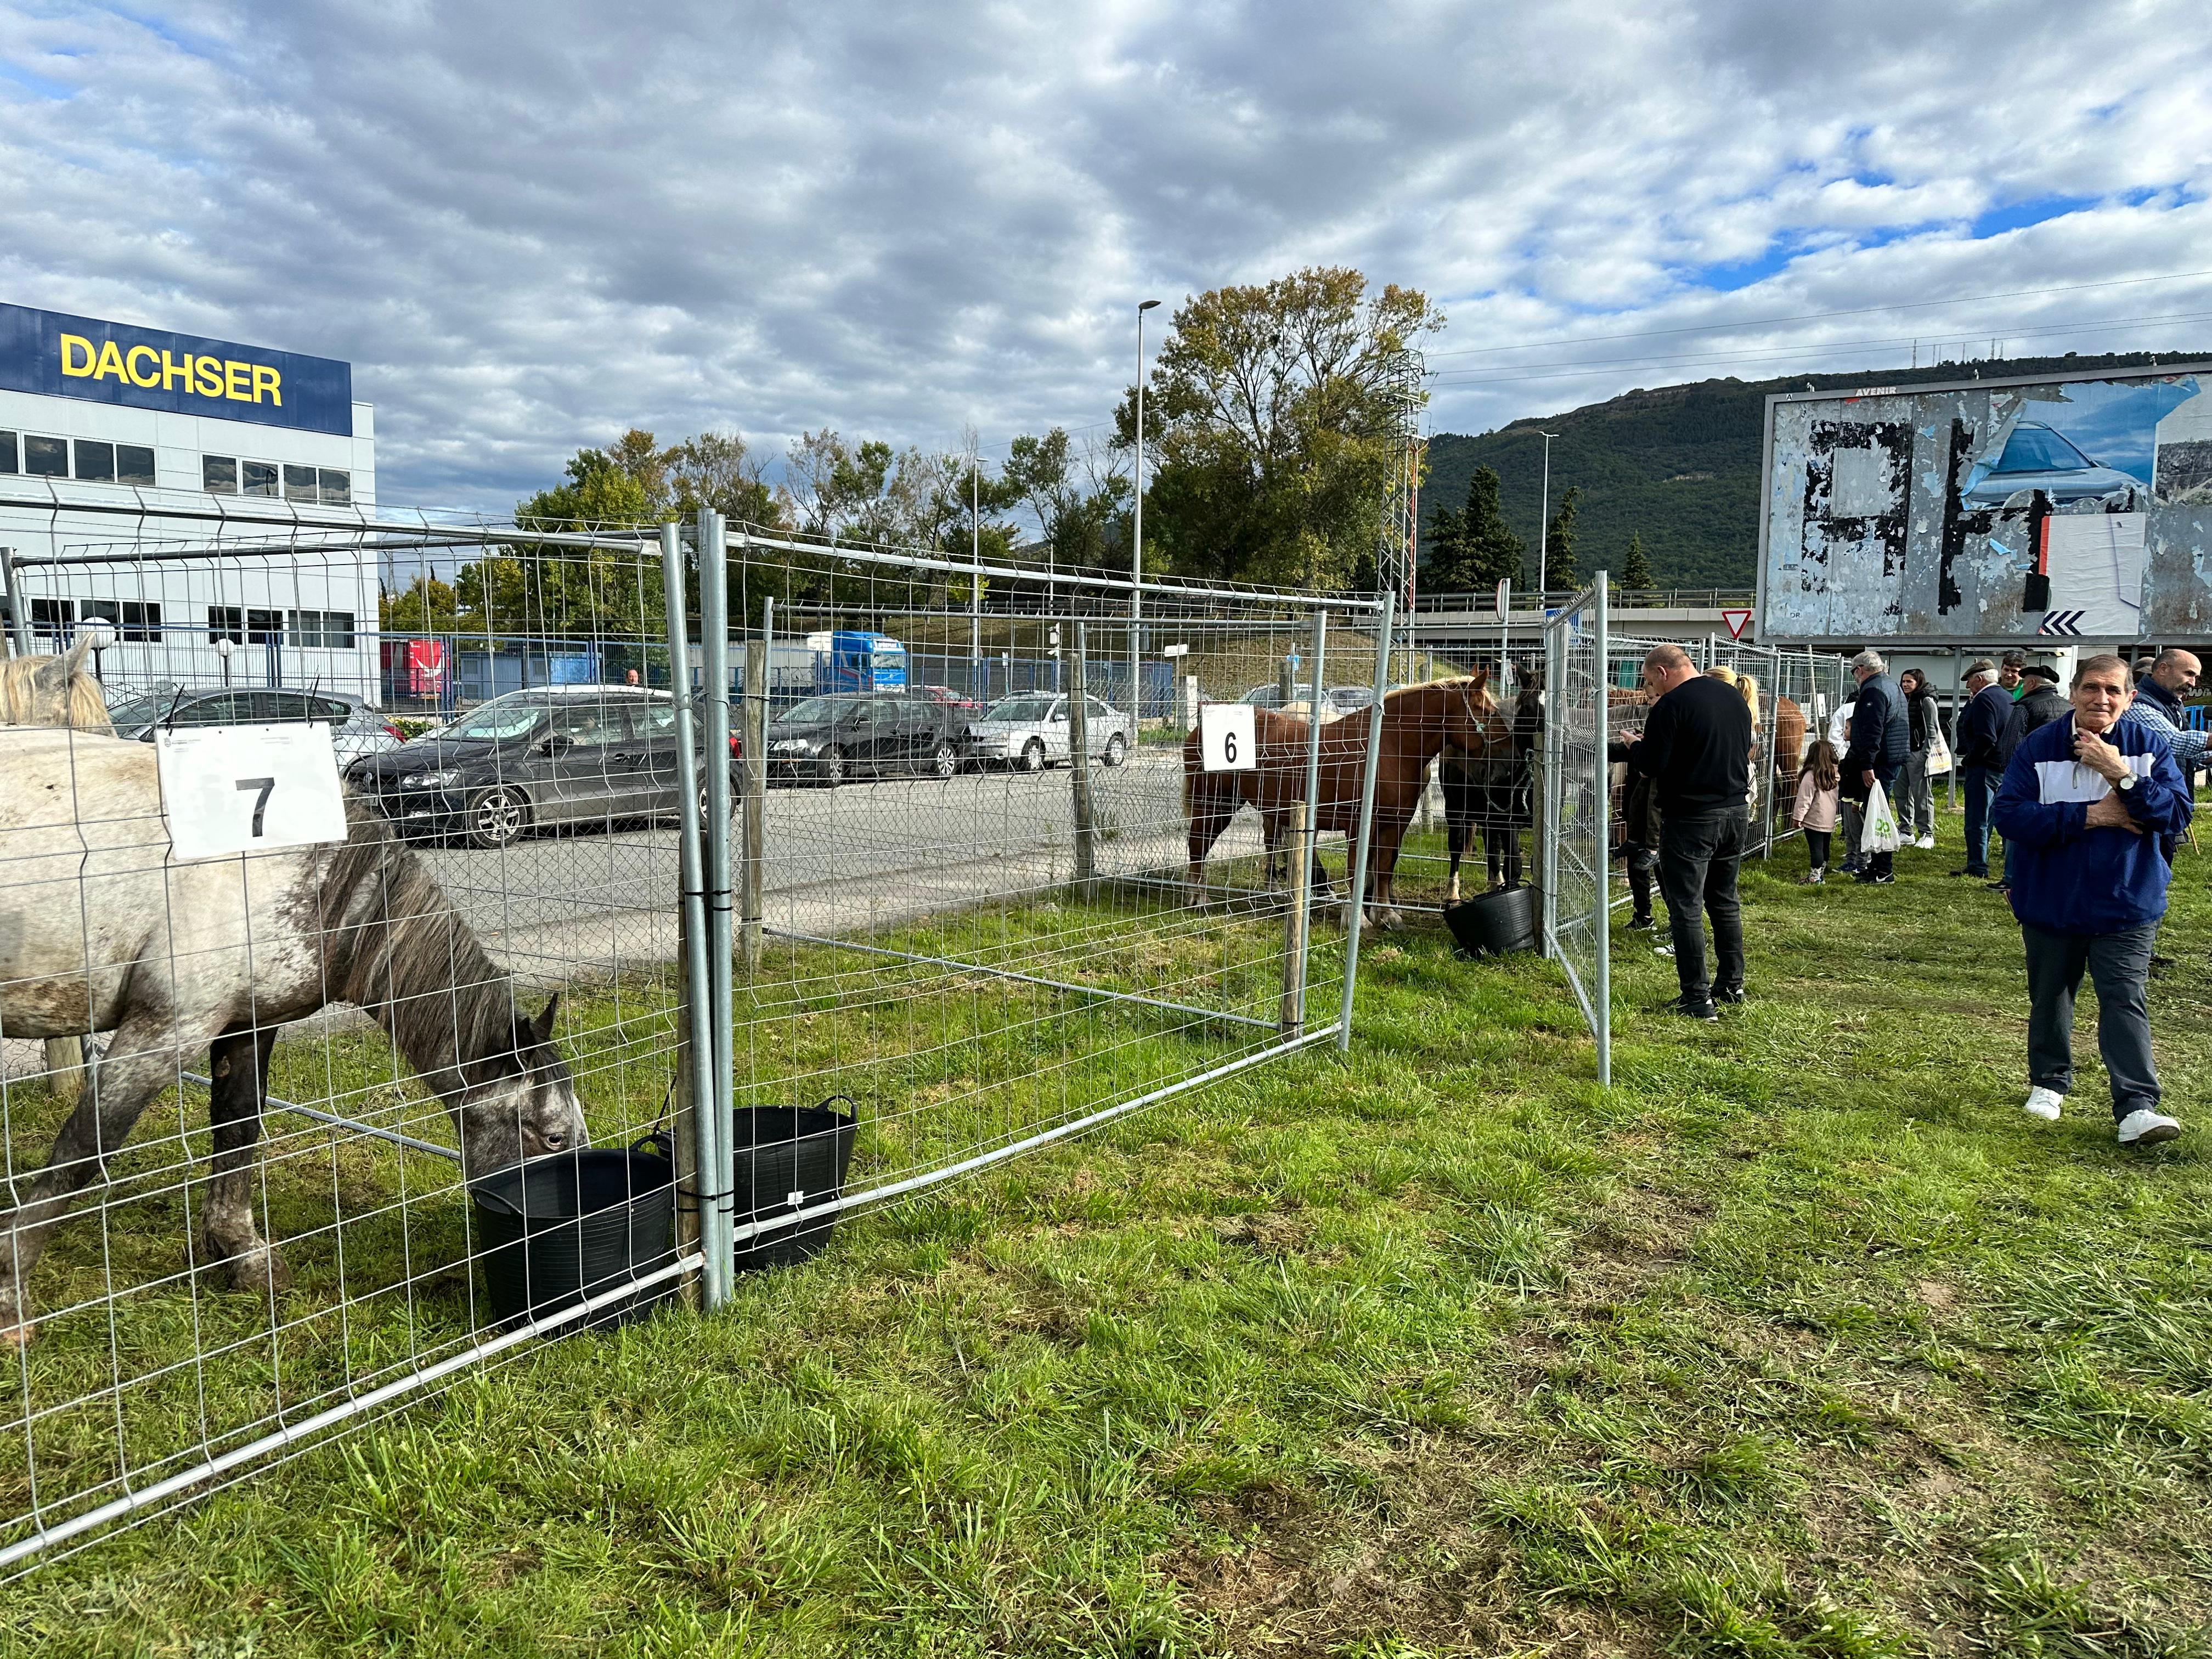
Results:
x,y
530,228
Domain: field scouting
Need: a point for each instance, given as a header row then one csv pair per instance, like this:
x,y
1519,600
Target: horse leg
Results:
x,y
1456,840
1207,821
138,1064
238,1064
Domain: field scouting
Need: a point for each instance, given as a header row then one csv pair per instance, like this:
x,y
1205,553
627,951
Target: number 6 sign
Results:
x,y
1227,740
249,788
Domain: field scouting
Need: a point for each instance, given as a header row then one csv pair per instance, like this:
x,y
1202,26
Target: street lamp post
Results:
x,y
223,647
1137,548
1544,521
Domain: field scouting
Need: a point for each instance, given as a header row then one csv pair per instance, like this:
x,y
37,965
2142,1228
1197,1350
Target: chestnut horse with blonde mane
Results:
x,y
1418,723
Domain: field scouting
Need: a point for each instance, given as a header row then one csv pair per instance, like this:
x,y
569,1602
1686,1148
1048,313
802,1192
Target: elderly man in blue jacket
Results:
x,y
2090,808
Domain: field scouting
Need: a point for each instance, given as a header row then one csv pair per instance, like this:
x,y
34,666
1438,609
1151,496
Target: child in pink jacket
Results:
x,y
1818,787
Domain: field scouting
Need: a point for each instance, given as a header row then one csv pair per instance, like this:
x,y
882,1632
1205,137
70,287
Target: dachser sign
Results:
x,y
57,356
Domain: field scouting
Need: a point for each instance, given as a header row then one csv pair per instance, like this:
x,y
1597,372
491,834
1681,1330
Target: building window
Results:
x,y
229,622
299,483
131,619
134,465
46,457
219,475
336,487
7,452
260,477
55,619
328,628
95,461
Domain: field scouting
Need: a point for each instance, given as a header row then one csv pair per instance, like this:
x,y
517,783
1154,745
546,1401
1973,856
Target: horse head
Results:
x,y
1475,722
520,1102
52,691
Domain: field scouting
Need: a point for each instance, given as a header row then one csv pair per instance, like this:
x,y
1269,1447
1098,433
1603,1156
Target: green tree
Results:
x,y
717,470
1635,569
1561,571
427,605
1080,502
1273,416
1472,549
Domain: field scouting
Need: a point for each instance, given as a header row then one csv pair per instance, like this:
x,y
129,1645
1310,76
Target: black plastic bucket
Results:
x,y
559,1229
1495,923
788,1158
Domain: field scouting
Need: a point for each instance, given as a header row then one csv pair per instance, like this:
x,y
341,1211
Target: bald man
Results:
x,y
2174,675
1696,749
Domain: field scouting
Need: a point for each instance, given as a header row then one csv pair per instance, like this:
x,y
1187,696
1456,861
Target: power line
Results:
x,y
1821,316
1508,374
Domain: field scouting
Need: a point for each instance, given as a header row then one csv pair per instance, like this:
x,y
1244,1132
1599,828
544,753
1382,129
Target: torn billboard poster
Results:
x,y
1989,510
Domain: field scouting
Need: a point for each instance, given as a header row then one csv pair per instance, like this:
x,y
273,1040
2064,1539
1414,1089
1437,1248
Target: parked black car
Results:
x,y
574,754
835,738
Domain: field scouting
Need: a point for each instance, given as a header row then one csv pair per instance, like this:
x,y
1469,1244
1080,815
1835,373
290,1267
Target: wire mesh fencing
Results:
x,y
970,925
674,906
298,997
1577,808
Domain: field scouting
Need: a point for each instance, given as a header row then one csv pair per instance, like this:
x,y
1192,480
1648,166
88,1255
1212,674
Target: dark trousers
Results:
x,y
1643,862
1816,844
2119,967
1699,859
1979,785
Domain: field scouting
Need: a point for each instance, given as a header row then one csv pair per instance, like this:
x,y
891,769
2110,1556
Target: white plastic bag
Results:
x,y
1878,824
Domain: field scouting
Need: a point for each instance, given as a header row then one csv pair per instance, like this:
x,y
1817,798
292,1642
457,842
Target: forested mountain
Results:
x,y
1678,465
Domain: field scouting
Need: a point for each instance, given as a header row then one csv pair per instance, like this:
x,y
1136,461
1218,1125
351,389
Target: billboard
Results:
x,y
51,354
1987,511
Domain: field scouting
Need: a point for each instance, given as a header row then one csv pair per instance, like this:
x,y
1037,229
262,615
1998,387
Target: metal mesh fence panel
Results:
x,y
1577,810
676,906
250,1215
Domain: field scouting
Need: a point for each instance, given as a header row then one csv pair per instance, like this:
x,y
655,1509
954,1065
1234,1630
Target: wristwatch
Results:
x,y
2128,781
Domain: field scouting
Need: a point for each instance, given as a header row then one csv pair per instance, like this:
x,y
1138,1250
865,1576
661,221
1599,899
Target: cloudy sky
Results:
x,y
530,227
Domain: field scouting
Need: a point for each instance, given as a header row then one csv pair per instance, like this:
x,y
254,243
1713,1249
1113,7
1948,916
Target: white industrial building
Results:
x,y
121,445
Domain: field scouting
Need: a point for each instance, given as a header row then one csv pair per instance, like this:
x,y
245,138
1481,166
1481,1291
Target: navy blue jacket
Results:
x,y
1982,724
2065,876
1880,737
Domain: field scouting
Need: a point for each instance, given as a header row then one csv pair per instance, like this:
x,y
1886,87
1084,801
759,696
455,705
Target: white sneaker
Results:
x,y
1926,842
2043,1104
2144,1128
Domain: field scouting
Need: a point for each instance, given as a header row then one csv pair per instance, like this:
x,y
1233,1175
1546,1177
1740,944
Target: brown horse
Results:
x,y
1419,722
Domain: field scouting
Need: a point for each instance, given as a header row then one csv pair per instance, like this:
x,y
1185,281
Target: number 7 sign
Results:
x,y
228,789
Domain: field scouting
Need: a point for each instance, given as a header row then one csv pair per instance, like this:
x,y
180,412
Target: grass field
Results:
x,y
1802,1341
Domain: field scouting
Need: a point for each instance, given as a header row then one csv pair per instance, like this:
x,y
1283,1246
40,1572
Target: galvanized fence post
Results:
x,y
1601,923
753,752
1304,839
695,1077
19,616
1385,621
1079,784
714,653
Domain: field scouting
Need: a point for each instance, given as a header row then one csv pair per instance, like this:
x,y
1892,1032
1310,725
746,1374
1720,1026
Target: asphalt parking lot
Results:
x,y
836,861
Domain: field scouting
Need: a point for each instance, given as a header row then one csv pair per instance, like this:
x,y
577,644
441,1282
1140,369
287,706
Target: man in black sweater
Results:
x,y
1980,749
1696,749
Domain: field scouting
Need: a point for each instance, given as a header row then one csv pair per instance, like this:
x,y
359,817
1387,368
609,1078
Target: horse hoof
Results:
x,y
260,1271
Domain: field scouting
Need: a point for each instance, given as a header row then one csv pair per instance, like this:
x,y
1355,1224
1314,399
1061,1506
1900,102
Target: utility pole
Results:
x,y
1544,521
1137,550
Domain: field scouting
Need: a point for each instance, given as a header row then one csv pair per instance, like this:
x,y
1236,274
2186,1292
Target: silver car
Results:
x,y
2038,457
1031,731
356,729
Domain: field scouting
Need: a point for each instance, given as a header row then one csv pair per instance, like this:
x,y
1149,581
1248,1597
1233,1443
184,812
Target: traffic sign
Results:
x,y
1737,621
1503,600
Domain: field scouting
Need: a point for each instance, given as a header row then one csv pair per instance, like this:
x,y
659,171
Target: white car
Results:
x,y
1031,731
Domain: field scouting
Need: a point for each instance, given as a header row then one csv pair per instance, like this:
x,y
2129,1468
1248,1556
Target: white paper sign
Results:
x,y
249,788
1227,740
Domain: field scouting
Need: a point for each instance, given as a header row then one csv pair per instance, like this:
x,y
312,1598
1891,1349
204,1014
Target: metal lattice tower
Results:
x,y
1405,384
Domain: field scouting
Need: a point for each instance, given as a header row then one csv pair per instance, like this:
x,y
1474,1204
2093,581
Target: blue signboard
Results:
x,y
53,354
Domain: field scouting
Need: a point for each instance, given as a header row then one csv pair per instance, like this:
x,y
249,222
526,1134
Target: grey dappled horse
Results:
x,y
104,929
